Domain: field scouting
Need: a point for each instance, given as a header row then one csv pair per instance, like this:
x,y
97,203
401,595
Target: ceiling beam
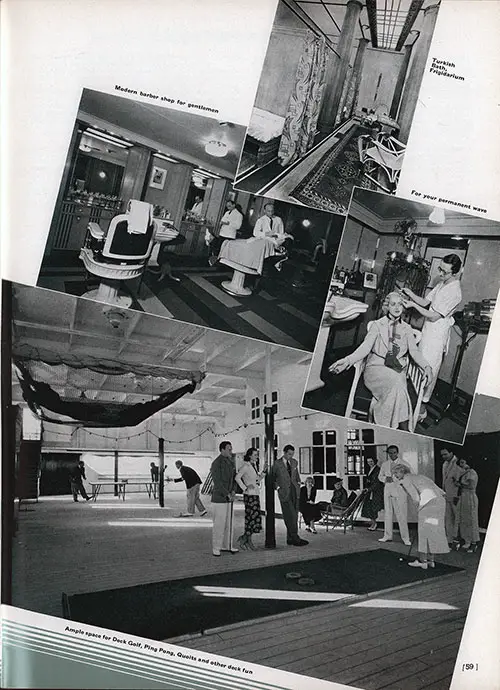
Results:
x,y
256,357
414,9
371,10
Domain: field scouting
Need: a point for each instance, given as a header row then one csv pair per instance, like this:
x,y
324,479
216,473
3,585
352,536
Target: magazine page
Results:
x,y
205,208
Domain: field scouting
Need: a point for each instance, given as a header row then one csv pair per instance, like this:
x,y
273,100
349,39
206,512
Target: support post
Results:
x,y
115,476
270,542
337,70
161,472
416,72
398,90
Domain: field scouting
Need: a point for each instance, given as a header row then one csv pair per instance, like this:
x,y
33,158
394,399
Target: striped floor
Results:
x,y
280,313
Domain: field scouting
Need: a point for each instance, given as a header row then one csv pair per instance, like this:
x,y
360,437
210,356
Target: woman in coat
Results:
x,y
374,494
248,479
431,505
310,510
466,520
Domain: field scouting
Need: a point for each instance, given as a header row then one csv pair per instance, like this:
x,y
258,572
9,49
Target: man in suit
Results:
x,y
223,474
395,498
285,477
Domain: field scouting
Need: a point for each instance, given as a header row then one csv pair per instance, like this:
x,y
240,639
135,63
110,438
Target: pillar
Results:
x,y
115,475
398,89
337,69
135,173
270,542
416,73
161,472
357,70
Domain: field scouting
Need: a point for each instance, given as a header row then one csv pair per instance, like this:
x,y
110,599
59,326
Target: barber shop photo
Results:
x,y
407,318
147,217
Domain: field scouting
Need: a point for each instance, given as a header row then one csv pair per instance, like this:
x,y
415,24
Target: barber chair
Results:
x,y
119,254
382,157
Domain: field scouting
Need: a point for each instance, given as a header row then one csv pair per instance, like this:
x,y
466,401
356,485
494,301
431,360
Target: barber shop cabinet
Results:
x,y
323,460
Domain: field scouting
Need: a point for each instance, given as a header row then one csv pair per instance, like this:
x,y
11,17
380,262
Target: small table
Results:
x,y
97,486
246,257
151,487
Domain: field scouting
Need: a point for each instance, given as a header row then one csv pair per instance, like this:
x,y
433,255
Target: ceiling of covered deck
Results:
x,y
54,326
386,23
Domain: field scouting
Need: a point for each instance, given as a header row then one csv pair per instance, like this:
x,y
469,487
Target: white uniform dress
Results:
x,y
444,299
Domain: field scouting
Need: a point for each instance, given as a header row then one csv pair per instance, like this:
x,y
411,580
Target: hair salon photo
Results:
x,y
407,318
336,99
146,217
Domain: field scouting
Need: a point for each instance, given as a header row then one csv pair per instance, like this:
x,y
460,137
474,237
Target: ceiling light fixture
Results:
x,y
437,216
215,148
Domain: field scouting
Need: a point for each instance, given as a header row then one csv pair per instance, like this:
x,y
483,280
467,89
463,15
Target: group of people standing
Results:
x,y
447,516
284,476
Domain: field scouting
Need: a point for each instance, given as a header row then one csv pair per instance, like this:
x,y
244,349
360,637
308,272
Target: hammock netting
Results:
x,y
91,392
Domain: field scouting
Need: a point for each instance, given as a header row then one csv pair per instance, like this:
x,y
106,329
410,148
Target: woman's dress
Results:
x,y
310,513
374,499
466,518
387,347
248,476
431,509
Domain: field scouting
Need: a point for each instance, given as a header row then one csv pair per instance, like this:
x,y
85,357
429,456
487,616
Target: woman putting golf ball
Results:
x,y
431,508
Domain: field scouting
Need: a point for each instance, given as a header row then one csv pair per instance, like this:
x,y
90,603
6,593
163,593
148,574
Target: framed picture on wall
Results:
x,y
370,281
158,177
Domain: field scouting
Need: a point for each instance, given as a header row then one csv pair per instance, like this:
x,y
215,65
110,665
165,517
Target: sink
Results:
x,y
340,308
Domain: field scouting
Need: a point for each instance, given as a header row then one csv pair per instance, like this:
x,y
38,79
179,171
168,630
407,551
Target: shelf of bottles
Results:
x,y
95,199
359,448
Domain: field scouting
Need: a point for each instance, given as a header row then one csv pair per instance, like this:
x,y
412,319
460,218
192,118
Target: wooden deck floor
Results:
x,y
369,643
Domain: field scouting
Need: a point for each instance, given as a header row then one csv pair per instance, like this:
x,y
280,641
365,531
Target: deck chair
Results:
x,y
415,377
334,517
381,156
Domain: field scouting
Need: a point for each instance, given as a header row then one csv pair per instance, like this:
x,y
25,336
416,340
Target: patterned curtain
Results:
x,y
305,101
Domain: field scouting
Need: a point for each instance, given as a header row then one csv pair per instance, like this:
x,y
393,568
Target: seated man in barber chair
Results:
x,y
270,226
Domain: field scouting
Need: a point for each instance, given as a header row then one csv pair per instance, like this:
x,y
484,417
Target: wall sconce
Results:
x,y
306,223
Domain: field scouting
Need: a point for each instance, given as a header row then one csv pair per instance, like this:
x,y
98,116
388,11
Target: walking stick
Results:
x,y
231,527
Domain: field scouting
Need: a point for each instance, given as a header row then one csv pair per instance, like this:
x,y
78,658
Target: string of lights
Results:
x,y
210,430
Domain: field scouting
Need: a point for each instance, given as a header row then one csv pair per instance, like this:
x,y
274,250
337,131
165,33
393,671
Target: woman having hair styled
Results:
x,y
248,479
311,511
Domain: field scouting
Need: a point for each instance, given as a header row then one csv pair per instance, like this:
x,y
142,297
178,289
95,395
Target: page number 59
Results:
x,y
470,667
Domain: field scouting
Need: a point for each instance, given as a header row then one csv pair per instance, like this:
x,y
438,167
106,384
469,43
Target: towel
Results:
x,y
139,216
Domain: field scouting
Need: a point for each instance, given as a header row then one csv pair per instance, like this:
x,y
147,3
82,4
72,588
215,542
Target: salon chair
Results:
x,y
119,254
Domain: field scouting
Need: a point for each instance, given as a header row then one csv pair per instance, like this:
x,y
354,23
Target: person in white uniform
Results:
x,y
437,309
230,223
395,497
270,226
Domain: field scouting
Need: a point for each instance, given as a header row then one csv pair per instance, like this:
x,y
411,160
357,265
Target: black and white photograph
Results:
x,y
336,99
169,485
147,218
406,354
